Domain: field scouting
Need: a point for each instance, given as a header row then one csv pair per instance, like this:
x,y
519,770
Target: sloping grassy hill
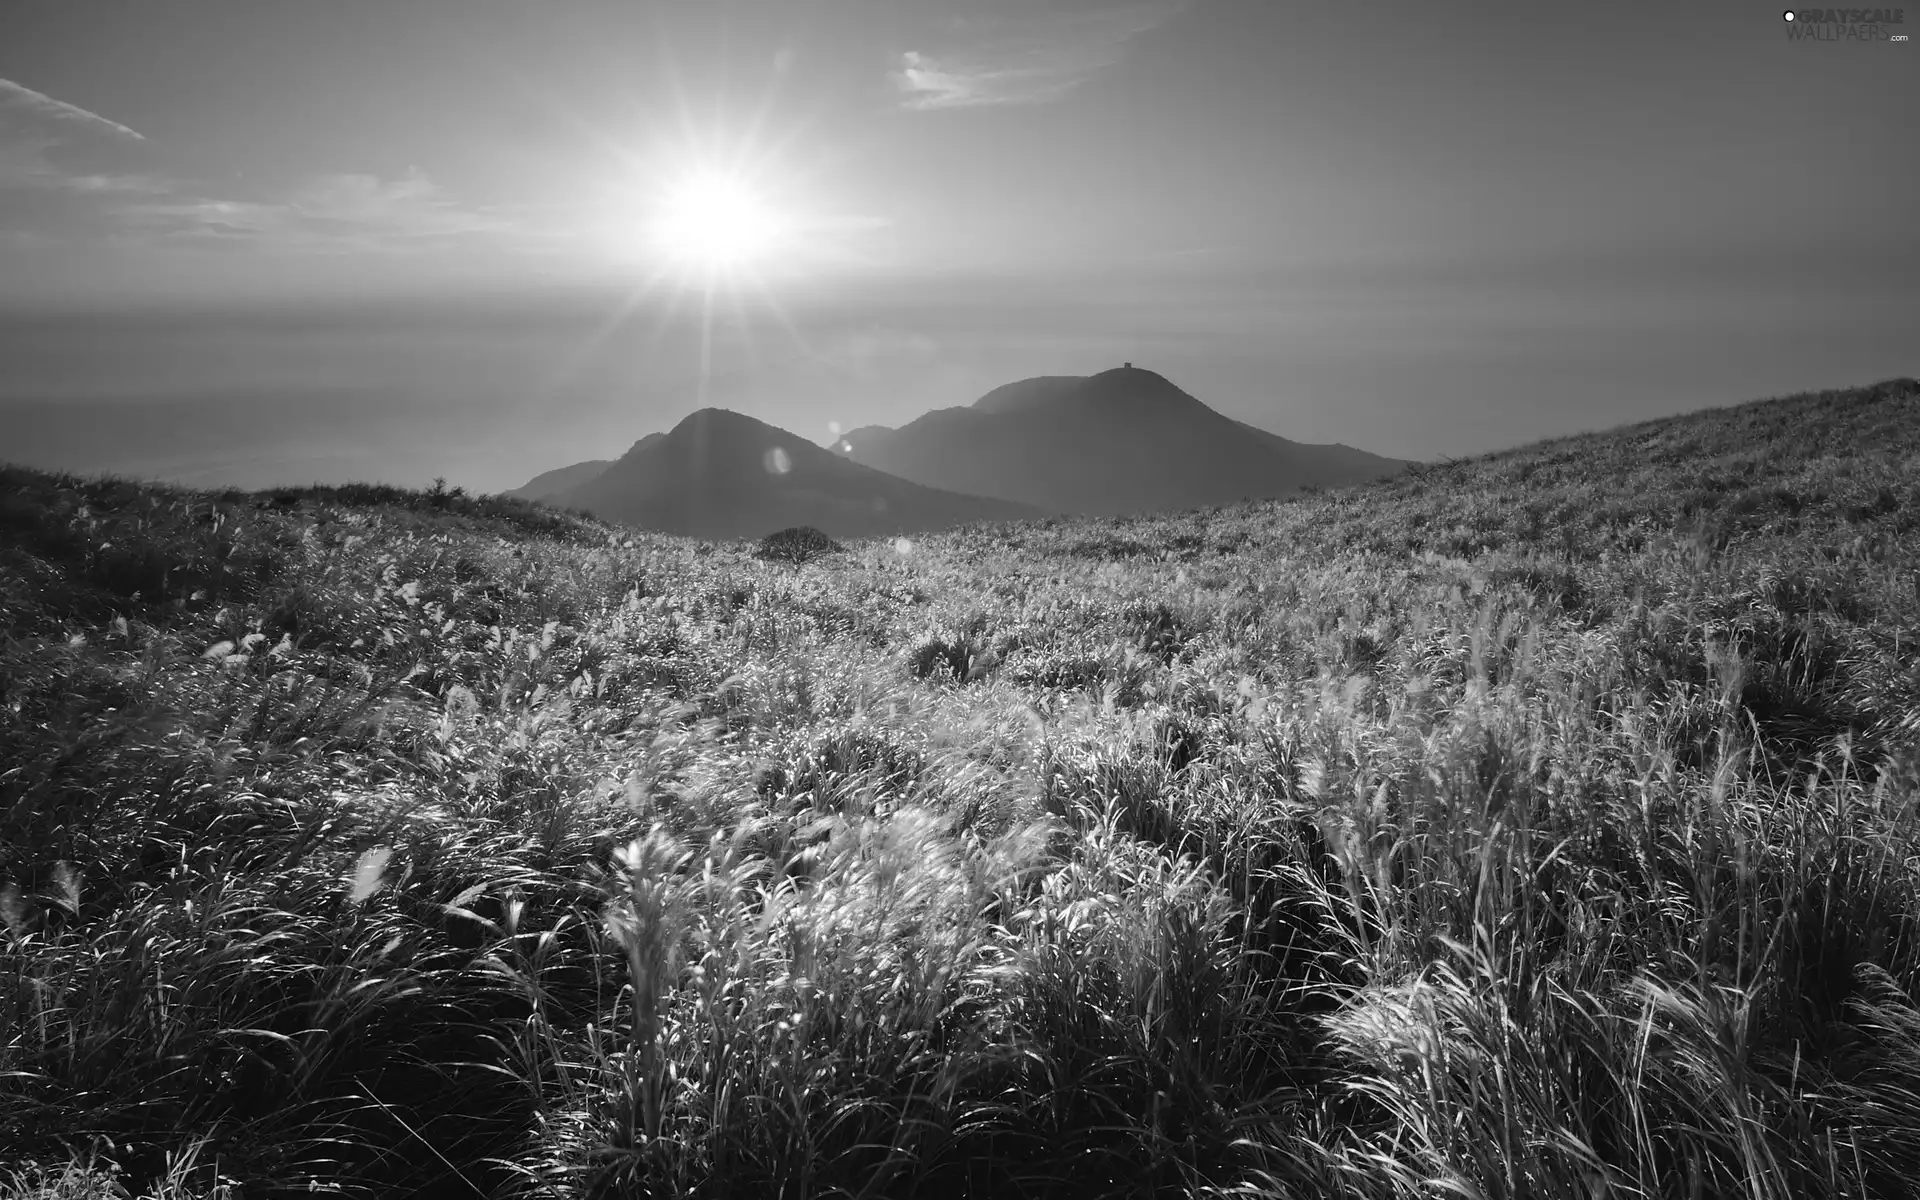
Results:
x,y
1540,825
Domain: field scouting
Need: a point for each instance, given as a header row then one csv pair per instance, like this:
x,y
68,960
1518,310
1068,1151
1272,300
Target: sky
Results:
x,y
254,242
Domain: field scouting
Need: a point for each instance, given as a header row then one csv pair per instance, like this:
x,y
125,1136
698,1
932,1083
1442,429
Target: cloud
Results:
x,y
412,206
328,212
16,99
70,176
39,163
962,83
1023,52
50,145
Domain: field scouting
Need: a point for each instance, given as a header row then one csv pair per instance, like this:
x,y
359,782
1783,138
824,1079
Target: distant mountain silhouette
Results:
x,y
1025,395
721,474
1122,441
549,484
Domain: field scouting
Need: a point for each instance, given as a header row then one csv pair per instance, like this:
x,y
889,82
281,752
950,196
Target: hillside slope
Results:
x,y
1122,441
1535,824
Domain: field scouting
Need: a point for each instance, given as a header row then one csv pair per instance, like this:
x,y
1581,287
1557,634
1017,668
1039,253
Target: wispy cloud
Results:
x,y
961,82
329,212
411,206
1023,51
18,98
70,176
48,144
68,172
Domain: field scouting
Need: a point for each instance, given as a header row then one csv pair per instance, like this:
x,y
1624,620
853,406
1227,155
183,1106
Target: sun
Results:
x,y
713,223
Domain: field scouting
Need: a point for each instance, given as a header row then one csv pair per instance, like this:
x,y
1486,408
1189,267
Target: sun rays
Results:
x,y
717,221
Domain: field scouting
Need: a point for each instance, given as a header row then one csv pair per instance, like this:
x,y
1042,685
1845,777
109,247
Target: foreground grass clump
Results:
x,y
1538,825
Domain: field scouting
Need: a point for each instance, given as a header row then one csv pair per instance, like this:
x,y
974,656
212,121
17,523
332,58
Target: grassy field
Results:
x,y
1540,825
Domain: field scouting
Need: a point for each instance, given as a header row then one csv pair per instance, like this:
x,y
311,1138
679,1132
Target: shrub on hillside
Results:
x,y
796,545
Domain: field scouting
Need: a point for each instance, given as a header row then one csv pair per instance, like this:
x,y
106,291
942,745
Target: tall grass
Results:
x,y
1537,825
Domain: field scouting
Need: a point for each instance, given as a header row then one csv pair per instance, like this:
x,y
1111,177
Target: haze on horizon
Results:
x,y
271,242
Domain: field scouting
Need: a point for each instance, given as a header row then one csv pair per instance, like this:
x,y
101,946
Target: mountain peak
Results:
x,y
1125,387
720,473
1138,390
721,430
1126,375
718,418
1124,440
1025,395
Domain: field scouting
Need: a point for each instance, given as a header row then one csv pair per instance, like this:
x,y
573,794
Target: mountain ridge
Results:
x,y
723,474
551,483
1125,440
1122,440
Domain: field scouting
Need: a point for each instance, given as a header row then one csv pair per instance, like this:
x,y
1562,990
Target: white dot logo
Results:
x,y
1788,15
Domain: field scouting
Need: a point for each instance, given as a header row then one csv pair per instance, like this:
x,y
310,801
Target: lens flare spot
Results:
x,y
777,461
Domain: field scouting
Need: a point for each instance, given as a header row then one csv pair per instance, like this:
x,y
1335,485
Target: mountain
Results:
x,y
549,484
721,474
1122,441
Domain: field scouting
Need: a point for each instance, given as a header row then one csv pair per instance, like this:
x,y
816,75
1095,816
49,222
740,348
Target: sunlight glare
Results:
x,y
715,223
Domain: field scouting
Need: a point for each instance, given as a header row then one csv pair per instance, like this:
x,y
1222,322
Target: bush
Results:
x,y
796,545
